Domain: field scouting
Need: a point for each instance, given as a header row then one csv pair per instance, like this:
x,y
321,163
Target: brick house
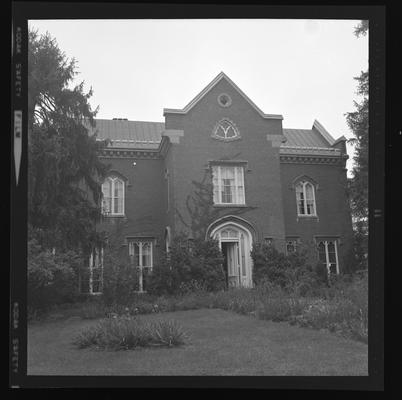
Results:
x,y
222,168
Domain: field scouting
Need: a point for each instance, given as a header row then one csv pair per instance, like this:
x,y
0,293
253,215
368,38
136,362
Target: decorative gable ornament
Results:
x,y
224,100
226,130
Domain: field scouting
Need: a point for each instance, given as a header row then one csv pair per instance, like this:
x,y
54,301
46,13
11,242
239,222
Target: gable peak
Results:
x,y
209,87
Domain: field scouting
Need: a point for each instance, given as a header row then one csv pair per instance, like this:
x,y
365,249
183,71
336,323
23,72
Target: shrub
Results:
x,y
52,278
241,300
291,272
193,286
123,333
221,299
120,279
193,301
321,273
167,333
344,309
92,310
269,264
165,304
207,265
185,268
276,304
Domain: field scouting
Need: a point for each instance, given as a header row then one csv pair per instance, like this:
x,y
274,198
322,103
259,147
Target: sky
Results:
x,y
301,69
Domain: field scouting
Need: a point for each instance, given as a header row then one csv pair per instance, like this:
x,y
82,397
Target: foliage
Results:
x,y
362,28
64,169
92,310
343,309
120,277
125,332
200,210
291,272
51,277
358,122
198,264
268,263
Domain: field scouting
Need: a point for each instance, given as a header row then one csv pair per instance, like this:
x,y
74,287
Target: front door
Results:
x,y
233,265
235,245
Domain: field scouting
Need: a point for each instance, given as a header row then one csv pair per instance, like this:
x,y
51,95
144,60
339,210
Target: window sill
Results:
x,y
307,216
114,215
231,205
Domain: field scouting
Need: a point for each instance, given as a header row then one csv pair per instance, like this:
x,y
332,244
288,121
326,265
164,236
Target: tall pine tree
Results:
x,y
358,122
64,170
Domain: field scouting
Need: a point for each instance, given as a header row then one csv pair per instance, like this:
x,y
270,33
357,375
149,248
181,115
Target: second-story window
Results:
x,y
228,184
113,196
305,198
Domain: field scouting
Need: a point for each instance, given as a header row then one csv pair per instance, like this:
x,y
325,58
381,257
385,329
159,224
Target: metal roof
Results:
x,y
129,134
147,135
304,138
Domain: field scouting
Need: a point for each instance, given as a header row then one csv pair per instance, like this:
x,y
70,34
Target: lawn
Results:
x,y
220,343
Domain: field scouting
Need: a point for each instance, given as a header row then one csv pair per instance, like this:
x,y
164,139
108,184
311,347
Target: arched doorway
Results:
x,y
235,242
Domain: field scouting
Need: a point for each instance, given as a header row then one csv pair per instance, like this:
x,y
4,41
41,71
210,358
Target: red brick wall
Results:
x,y
144,199
196,148
331,202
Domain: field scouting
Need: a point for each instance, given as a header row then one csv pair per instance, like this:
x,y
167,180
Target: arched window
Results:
x,y
113,196
225,130
305,197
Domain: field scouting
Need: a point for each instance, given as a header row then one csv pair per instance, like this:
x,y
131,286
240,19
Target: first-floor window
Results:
x,y
269,241
328,255
91,278
291,246
140,252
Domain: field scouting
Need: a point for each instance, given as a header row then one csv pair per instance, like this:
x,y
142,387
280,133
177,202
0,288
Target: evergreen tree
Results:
x,y
64,170
358,122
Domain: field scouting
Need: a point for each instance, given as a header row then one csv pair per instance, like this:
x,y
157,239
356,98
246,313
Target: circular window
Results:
x,y
224,100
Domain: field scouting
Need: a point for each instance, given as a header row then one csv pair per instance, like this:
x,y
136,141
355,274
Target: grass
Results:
x,y
222,343
342,308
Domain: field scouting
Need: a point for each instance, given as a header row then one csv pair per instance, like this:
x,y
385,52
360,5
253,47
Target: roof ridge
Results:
x,y
127,120
324,133
212,84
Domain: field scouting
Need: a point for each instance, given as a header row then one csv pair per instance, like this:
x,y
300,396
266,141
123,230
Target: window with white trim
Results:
x,y
113,196
141,257
291,246
305,197
228,185
91,278
328,255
